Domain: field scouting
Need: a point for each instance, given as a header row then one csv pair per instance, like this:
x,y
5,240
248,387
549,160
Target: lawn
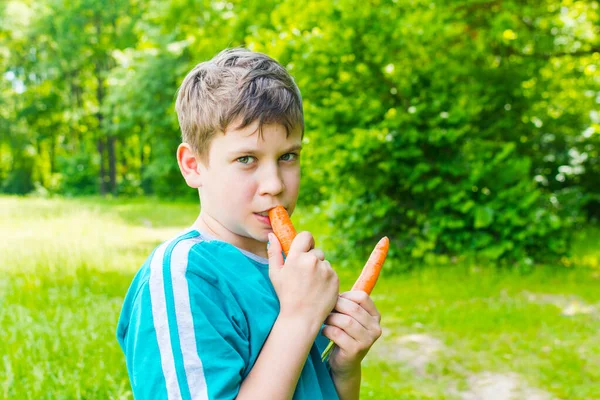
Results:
x,y
449,333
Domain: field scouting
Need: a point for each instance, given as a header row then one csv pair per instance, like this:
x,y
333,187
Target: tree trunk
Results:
x,y
76,106
142,158
98,71
52,153
112,165
100,117
100,144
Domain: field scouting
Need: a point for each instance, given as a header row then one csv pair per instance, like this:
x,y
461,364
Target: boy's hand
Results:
x,y
306,285
353,328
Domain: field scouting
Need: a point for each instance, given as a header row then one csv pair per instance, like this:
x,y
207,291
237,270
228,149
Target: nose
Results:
x,y
271,182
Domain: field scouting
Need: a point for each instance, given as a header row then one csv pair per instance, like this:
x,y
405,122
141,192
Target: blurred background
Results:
x,y
466,131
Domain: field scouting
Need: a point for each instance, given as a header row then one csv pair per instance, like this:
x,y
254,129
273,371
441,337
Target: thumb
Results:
x,y
274,252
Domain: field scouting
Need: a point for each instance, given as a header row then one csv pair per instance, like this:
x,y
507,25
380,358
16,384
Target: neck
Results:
x,y
205,223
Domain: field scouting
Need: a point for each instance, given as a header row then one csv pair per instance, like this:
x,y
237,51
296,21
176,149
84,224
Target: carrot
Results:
x,y
285,232
282,227
368,277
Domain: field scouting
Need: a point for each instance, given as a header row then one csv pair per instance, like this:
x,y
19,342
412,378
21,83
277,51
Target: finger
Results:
x,y
364,300
354,310
302,243
275,253
341,339
318,253
351,326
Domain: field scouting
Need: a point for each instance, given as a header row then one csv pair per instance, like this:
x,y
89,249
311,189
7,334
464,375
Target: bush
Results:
x,y
79,174
421,127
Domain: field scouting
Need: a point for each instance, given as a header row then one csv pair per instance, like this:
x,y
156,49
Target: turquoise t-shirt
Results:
x,y
195,319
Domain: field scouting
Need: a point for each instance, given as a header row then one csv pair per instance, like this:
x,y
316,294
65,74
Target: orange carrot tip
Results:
x,y
282,227
368,278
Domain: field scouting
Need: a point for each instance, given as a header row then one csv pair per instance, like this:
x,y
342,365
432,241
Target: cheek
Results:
x,y
239,189
248,189
292,181
292,185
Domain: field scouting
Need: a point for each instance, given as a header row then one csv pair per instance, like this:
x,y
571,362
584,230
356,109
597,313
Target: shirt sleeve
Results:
x,y
184,339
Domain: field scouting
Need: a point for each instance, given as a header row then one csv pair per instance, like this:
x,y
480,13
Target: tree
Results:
x,y
456,128
422,125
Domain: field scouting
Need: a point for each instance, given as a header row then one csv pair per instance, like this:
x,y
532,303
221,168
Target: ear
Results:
x,y
189,165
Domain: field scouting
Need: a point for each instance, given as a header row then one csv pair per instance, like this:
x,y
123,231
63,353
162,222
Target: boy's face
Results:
x,y
246,176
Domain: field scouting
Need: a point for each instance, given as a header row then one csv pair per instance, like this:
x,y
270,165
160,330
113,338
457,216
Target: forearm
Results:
x,y
348,387
279,365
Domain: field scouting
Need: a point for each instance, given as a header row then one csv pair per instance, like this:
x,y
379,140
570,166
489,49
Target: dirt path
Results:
x,y
418,350
569,305
494,386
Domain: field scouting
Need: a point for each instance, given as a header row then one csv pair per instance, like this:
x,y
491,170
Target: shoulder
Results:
x,y
184,267
187,253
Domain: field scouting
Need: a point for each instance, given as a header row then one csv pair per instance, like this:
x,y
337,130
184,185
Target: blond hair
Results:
x,y
237,84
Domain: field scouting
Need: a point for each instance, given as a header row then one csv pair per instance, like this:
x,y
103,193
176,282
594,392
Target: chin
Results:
x,y
263,236
258,234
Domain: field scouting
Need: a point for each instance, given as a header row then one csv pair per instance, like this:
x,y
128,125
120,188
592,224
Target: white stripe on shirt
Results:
x,y
194,371
161,321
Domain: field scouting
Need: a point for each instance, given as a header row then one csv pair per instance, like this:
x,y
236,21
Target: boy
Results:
x,y
213,313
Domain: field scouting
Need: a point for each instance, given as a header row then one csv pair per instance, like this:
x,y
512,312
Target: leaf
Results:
x,y
483,217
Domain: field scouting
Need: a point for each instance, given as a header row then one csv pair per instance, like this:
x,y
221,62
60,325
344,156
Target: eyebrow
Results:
x,y
297,147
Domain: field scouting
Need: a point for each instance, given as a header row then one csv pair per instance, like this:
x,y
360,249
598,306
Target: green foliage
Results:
x,y
18,181
455,128
424,134
79,174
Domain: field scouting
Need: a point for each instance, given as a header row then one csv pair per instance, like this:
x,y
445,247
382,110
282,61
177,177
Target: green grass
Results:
x,y
66,265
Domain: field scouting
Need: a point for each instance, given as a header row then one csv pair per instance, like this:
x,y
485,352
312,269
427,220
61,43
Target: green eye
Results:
x,y
245,159
289,157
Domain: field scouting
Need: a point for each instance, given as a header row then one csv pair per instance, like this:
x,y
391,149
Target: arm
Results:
x,y
354,327
278,367
348,386
307,289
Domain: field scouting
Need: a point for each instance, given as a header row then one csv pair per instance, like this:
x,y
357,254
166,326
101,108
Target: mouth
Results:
x,y
265,213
